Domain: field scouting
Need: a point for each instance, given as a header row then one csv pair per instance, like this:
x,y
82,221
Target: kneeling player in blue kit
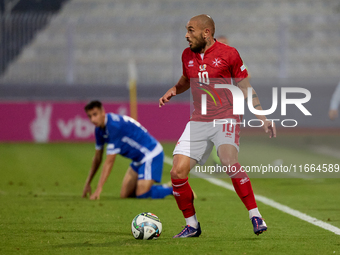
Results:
x,y
125,136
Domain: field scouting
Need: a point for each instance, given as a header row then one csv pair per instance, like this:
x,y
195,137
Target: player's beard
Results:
x,y
201,43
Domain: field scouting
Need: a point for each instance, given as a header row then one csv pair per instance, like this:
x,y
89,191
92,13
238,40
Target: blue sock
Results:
x,y
145,195
157,191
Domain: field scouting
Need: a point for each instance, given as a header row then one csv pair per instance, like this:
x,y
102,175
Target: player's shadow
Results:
x,y
83,231
87,244
122,240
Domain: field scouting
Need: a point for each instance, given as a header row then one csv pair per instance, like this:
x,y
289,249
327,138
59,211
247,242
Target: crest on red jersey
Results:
x,y
216,62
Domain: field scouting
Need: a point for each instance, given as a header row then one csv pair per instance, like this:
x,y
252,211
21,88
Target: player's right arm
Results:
x,y
107,167
182,85
97,159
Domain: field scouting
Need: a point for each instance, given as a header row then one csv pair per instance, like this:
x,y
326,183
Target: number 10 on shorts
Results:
x,y
229,128
230,133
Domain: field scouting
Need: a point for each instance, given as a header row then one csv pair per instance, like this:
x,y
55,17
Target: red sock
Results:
x,y
242,186
184,196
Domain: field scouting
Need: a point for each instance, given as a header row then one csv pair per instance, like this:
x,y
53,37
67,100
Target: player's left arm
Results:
x,y
269,126
107,167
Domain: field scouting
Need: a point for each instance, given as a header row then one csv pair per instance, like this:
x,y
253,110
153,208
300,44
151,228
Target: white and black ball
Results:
x,y
146,226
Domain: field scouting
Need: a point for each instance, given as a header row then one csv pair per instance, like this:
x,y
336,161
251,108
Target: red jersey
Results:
x,y
220,65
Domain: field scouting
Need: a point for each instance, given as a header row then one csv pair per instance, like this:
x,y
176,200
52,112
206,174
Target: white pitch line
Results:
x,y
268,202
326,150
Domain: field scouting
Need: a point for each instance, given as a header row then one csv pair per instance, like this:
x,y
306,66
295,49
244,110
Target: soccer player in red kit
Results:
x,y
205,59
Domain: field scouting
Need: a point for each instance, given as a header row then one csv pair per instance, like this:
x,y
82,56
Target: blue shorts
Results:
x,y
151,169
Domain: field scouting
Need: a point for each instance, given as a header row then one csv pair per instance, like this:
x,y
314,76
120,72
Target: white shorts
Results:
x,y
198,139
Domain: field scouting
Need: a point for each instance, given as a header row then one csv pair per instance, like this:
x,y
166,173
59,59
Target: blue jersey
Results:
x,y
124,136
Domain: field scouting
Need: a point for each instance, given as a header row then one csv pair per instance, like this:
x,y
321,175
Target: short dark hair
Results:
x,y
92,105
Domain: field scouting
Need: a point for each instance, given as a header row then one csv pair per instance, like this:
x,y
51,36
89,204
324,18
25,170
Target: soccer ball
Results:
x,y
146,226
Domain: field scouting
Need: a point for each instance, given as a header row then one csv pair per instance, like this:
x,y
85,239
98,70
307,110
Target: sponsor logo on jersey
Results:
x,y
191,63
203,67
243,67
216,62
106,135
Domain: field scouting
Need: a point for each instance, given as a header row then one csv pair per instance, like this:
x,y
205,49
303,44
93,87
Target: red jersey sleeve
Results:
x,y
238,69
184,63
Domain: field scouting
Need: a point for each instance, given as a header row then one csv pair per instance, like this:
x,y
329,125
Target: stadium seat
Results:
x,y
96,39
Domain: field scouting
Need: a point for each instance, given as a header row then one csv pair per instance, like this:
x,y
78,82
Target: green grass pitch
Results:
x,y
42,212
